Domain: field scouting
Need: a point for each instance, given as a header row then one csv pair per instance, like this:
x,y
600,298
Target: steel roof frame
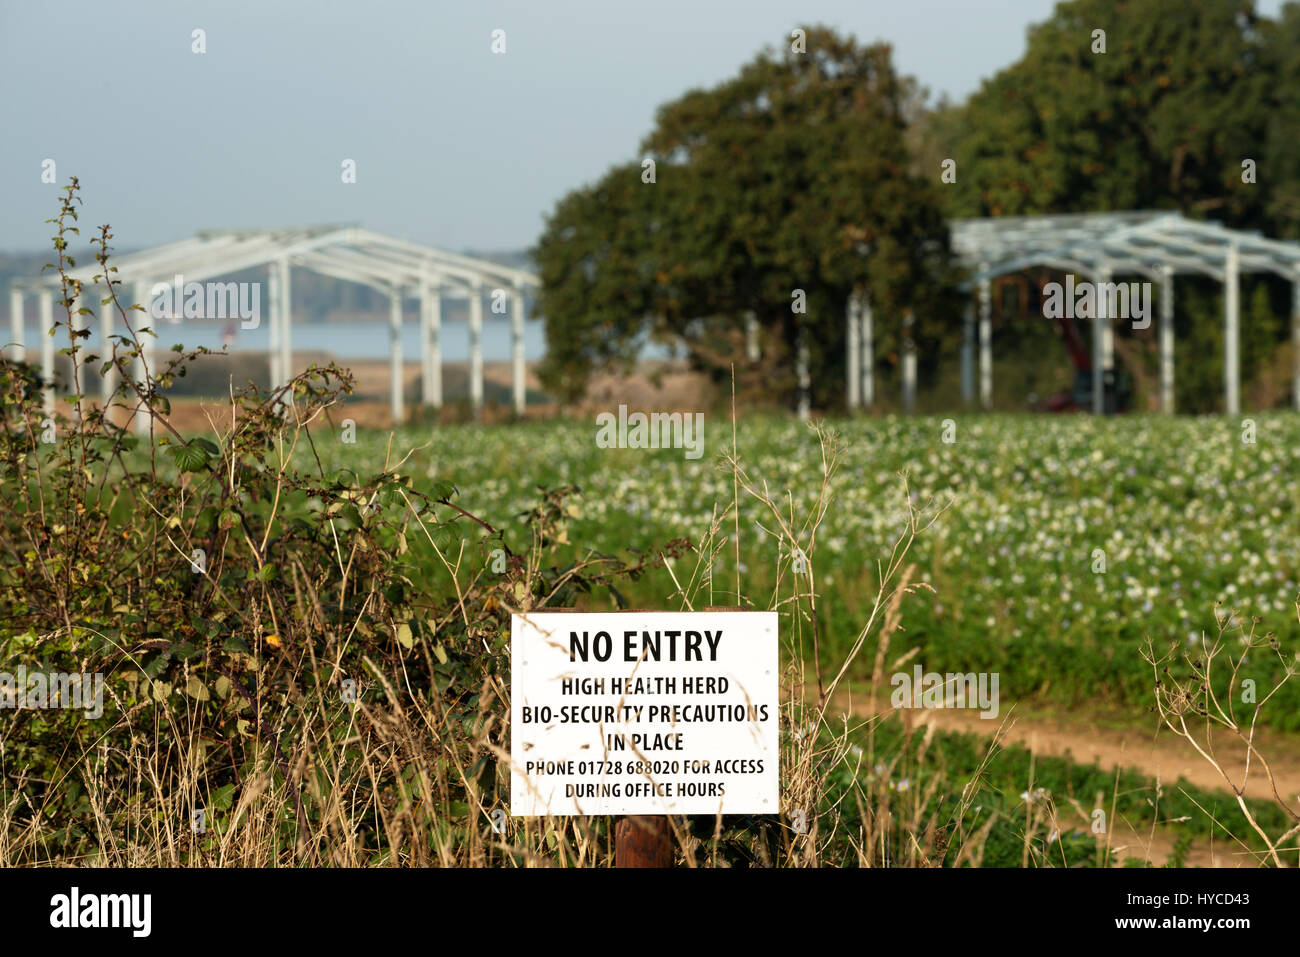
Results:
x,y
1157,244
391,265
210,254
1137,241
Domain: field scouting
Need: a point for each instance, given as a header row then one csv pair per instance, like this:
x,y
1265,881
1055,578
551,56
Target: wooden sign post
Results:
x,y
643,841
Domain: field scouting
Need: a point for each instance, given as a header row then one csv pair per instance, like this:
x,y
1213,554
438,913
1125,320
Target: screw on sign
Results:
x,y
644,715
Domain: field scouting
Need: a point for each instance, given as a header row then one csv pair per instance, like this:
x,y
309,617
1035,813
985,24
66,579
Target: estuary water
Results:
x,y
354,339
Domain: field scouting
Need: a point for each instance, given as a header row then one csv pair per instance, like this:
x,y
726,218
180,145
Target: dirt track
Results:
x,y
1163,757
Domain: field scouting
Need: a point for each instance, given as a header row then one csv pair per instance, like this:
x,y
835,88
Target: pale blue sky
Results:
x,y
454,145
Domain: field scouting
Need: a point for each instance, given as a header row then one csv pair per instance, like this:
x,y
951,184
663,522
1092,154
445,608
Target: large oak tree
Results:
x,y
793,175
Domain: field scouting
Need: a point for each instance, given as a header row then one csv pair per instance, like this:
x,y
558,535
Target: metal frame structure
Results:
x,y
1153,244
393,266
1156,245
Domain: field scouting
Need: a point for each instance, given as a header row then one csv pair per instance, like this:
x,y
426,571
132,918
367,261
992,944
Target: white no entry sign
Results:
x,y
644,713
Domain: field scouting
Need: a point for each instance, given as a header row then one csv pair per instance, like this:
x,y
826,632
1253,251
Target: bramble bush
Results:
x,y
263,631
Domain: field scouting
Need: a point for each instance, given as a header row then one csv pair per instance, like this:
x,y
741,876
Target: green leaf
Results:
x,y
188,458
197,689
234,643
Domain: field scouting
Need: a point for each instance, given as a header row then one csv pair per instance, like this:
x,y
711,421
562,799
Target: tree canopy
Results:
x,y
1157,112
794,176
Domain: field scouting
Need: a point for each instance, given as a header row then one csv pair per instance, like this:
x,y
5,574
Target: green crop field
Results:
x,y
1055,553
1058,544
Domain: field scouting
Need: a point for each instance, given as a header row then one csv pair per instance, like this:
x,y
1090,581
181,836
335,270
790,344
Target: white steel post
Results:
x,y
1295,343
801,371
1231,334
286,319
108,379
78,323
426,375
276,303
1102,345
144,361
45,314
752,351
396,392
968,353
433,345
1108,326
909,376
1167,341
868,361
16,330
517,359
476,348
852,316
986,338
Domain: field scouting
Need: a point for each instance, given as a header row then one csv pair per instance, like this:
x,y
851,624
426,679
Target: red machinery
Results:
x,y
1117,385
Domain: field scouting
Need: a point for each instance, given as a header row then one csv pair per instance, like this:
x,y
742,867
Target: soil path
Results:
x,y
1163,757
